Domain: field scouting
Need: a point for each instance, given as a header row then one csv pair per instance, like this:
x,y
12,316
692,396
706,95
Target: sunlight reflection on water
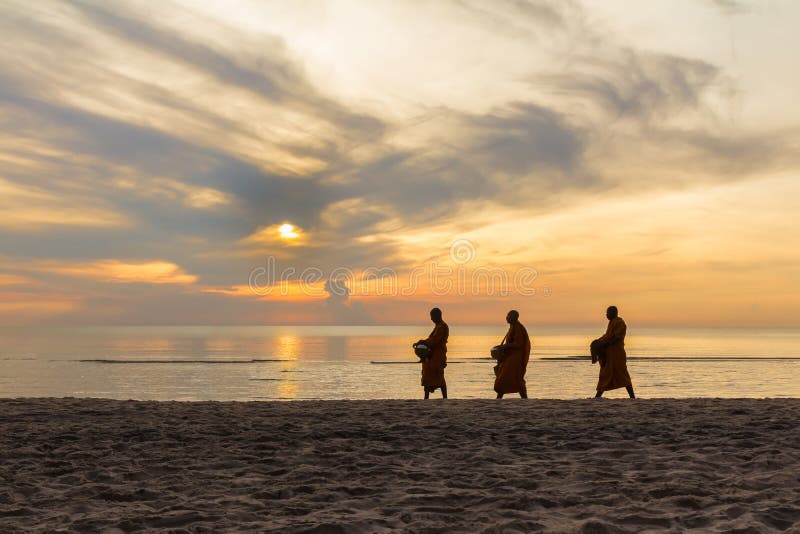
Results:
x,y
246,363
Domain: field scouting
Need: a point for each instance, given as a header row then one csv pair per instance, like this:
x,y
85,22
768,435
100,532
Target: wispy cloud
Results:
x,y
23,207
121,272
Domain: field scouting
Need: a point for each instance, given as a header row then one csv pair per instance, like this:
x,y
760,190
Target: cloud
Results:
x,y
171,190
31,208
14,280
21,308
518,17
527,138
273,237
283,290
121,272
339,308
629,84
276,76
730,7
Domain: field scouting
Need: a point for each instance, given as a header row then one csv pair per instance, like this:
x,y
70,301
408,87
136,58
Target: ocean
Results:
x,y
376,362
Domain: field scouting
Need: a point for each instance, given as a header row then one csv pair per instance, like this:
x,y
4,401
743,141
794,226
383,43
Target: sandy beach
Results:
x,y
612,465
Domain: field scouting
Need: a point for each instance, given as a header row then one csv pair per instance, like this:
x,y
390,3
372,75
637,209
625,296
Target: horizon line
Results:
x,y
385,325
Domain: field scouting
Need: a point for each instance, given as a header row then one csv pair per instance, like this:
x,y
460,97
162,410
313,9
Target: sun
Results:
x,y
288,231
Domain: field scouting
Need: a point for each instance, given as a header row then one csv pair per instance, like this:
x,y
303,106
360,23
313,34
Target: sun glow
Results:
x,y
276,235
288,231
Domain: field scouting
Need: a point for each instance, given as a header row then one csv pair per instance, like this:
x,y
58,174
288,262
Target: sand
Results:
x,y
610,465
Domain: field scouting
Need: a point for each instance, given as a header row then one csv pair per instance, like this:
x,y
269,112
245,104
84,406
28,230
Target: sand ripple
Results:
x,y
608,466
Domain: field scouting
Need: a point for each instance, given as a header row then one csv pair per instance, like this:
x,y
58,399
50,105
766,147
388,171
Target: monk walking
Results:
x,y
511,366
613,360
433,367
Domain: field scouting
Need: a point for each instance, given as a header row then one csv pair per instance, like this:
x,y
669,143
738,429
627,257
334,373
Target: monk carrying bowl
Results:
x,y
422,351
497,352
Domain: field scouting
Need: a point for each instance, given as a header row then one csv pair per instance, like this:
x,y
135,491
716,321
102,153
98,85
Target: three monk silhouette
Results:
x,y
514,352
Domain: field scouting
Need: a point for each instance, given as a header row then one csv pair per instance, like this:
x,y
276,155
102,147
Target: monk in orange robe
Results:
x,y
511,366
613,363
433,367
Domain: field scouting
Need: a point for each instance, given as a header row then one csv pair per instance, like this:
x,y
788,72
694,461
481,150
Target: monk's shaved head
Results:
x,y
436,314
612,312
512,316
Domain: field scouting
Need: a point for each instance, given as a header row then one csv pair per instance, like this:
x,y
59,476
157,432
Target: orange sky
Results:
x,y
221,163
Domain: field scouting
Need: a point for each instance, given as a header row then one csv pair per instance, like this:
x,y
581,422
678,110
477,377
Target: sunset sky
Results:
x,y
158,157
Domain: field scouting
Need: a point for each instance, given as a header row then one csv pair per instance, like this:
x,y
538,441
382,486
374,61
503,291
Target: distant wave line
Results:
x,y
457,361
274,380
682,358
634,358
412,362
176,361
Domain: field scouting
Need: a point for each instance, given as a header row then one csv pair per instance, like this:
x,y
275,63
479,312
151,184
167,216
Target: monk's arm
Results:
x,y
514,339
607,340
435,338
618,332
614,334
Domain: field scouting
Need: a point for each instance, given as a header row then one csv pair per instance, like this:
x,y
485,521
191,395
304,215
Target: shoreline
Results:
x,y
582,465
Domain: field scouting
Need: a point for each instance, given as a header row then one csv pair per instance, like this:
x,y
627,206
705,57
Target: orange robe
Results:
x,y
433,367
510,372
614,373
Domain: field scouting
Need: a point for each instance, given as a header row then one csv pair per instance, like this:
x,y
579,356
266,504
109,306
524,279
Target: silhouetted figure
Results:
x,y
433,366
609,350
513,362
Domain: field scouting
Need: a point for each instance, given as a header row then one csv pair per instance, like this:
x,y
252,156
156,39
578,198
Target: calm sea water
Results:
x,y
278,362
